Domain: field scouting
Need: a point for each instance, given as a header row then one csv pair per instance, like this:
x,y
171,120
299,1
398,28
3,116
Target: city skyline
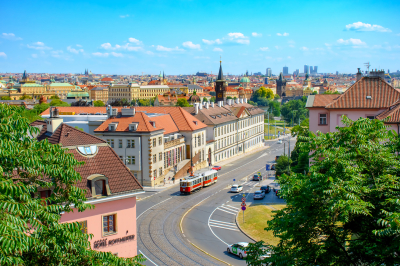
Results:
x,y
190,36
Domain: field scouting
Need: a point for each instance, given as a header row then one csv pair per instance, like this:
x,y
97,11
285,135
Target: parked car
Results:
x,y
216,168
266,189
259,194
256,178
238,249
280,141
236,188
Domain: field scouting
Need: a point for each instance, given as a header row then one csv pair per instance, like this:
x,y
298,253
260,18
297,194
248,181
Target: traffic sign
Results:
x,y
154,178
244,204
243,208
244,195
243,199
233,179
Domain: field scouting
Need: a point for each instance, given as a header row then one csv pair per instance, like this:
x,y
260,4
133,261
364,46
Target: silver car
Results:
x,y
259,194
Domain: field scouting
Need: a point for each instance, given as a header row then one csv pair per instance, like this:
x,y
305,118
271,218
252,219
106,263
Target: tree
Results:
x,y
314,92
212,100
276,107
98,103
229,98
79,128
122,102
294,109
205,99
282,165
144,102
234,98
329,92
58,103
252,103
299,156
182,102
263,92
35,113
276,96
25,97
6,98
30,230
346,210
54,97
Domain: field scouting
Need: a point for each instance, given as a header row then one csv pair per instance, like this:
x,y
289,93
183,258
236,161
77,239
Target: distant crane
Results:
x,y
367,66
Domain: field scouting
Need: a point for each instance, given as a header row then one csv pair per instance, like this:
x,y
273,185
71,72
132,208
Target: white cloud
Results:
x,y
34,55
11,36
351,41
238,37
74,51
201,57
283,34
289,57
360,26
304,48
78,45
127,46
3,54
117,54
166,49
217,49
217,41
255,34
60,55
124,16
100,54
39,46
149,52
264,49
191,45
277,47
135,41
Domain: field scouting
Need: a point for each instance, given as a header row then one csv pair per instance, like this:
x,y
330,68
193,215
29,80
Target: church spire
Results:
x,y
220,74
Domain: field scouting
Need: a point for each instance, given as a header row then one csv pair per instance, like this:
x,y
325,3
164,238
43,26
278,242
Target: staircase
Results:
x,y
184,171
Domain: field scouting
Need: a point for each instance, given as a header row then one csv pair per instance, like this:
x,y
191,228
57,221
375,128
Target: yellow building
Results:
x,y
151,91
134,91
99,94
61,89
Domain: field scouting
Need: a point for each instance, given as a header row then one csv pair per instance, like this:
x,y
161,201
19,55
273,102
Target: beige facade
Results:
x,y
151,91
134,91
99,93
61,89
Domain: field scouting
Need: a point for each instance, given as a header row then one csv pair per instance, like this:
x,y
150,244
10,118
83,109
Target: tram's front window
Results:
x,y
183,184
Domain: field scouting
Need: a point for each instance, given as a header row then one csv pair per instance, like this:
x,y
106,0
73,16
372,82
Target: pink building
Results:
x,y
108,183
369,97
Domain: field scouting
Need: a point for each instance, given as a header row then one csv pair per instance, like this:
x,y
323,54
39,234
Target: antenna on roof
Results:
x,y
367,65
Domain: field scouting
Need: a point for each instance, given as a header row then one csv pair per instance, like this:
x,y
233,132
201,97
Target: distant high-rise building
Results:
x,y
311,70
266,81
297,72
285,70
269,72
315,69
306,69
337,73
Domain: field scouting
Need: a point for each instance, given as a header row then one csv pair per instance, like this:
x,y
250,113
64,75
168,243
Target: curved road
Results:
x,y
210,223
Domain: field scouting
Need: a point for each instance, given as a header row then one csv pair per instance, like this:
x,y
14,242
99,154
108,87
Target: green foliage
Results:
x,y
182,102
194,92
294,109
79,128
252,103
54,97
299,155
255,251
6,98
205,99
213,93
314,92
329,92
263,92
30,230
212,99
25,97
346,210
229,98
234,98
282,165
58,103
276,96
98,103
34,114
122,102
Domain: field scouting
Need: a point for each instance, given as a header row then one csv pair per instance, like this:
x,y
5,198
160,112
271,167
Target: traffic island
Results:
x,y
256,219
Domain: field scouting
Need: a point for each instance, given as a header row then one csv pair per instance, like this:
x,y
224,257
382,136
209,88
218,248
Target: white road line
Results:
x,y
147,258
223,225
224,228
152,207
212,230
232,206
229,208
226,211
215,221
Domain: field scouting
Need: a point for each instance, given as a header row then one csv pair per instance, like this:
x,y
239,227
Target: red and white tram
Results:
x,y
192,183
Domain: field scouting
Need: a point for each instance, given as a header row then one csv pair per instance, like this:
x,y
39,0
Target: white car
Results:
x,y
236,188
279,141
237,249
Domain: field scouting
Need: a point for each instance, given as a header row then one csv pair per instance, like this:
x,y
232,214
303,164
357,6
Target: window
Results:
x,y
120,157
322,119
83,225
120,143
160,171
198,141
154,158
128,160
159,141
110,142
371,117
160,156
109,224
154,142
100,187
155,173
130,143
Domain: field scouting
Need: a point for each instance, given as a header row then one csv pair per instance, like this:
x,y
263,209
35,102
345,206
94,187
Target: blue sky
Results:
x,y
183,37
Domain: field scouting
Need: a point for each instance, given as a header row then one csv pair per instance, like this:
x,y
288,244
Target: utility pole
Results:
x,y
275,128
268,122
284,148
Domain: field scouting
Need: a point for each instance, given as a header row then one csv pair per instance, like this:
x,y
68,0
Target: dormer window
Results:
x,y
88,150
112,126
133,126
369,97
153,123
99,185
195,122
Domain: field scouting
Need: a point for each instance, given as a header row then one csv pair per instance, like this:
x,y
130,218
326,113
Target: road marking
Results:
x,y
226,211
147,258
152,207
212,230
215,221
230,208
224,228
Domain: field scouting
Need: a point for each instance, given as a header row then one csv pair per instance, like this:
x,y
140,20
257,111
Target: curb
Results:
x,y
209,254
237,223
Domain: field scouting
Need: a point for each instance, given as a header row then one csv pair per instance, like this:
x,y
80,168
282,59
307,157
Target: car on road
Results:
x,y
280,141
217,168
259,194
256,177
238,249
236,188
266,189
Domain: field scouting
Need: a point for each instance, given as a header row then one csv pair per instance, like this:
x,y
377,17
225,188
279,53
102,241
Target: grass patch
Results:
x,y
256,218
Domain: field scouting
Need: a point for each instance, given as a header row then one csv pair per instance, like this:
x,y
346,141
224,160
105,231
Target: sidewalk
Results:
x,y
169,183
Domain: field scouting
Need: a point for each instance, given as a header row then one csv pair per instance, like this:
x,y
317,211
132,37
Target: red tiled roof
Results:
x,y
322,100
241,110
393,113
107,79
382,95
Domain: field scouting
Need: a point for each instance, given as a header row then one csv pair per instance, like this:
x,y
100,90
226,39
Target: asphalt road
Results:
x,y
210,223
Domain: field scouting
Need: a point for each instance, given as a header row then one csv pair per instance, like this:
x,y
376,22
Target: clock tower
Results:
x,y
220,85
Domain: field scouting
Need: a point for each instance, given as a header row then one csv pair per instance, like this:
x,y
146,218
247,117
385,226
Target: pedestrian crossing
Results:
x,y
223,225
228,209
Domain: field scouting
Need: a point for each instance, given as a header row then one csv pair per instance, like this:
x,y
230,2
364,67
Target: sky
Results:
x,y
186,36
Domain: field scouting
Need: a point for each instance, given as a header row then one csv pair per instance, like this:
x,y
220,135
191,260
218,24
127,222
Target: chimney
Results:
x,y
207,105
237,100
200,106
212,104
245,100
219,103
241,100
54,121
128,111
196,108
359,75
